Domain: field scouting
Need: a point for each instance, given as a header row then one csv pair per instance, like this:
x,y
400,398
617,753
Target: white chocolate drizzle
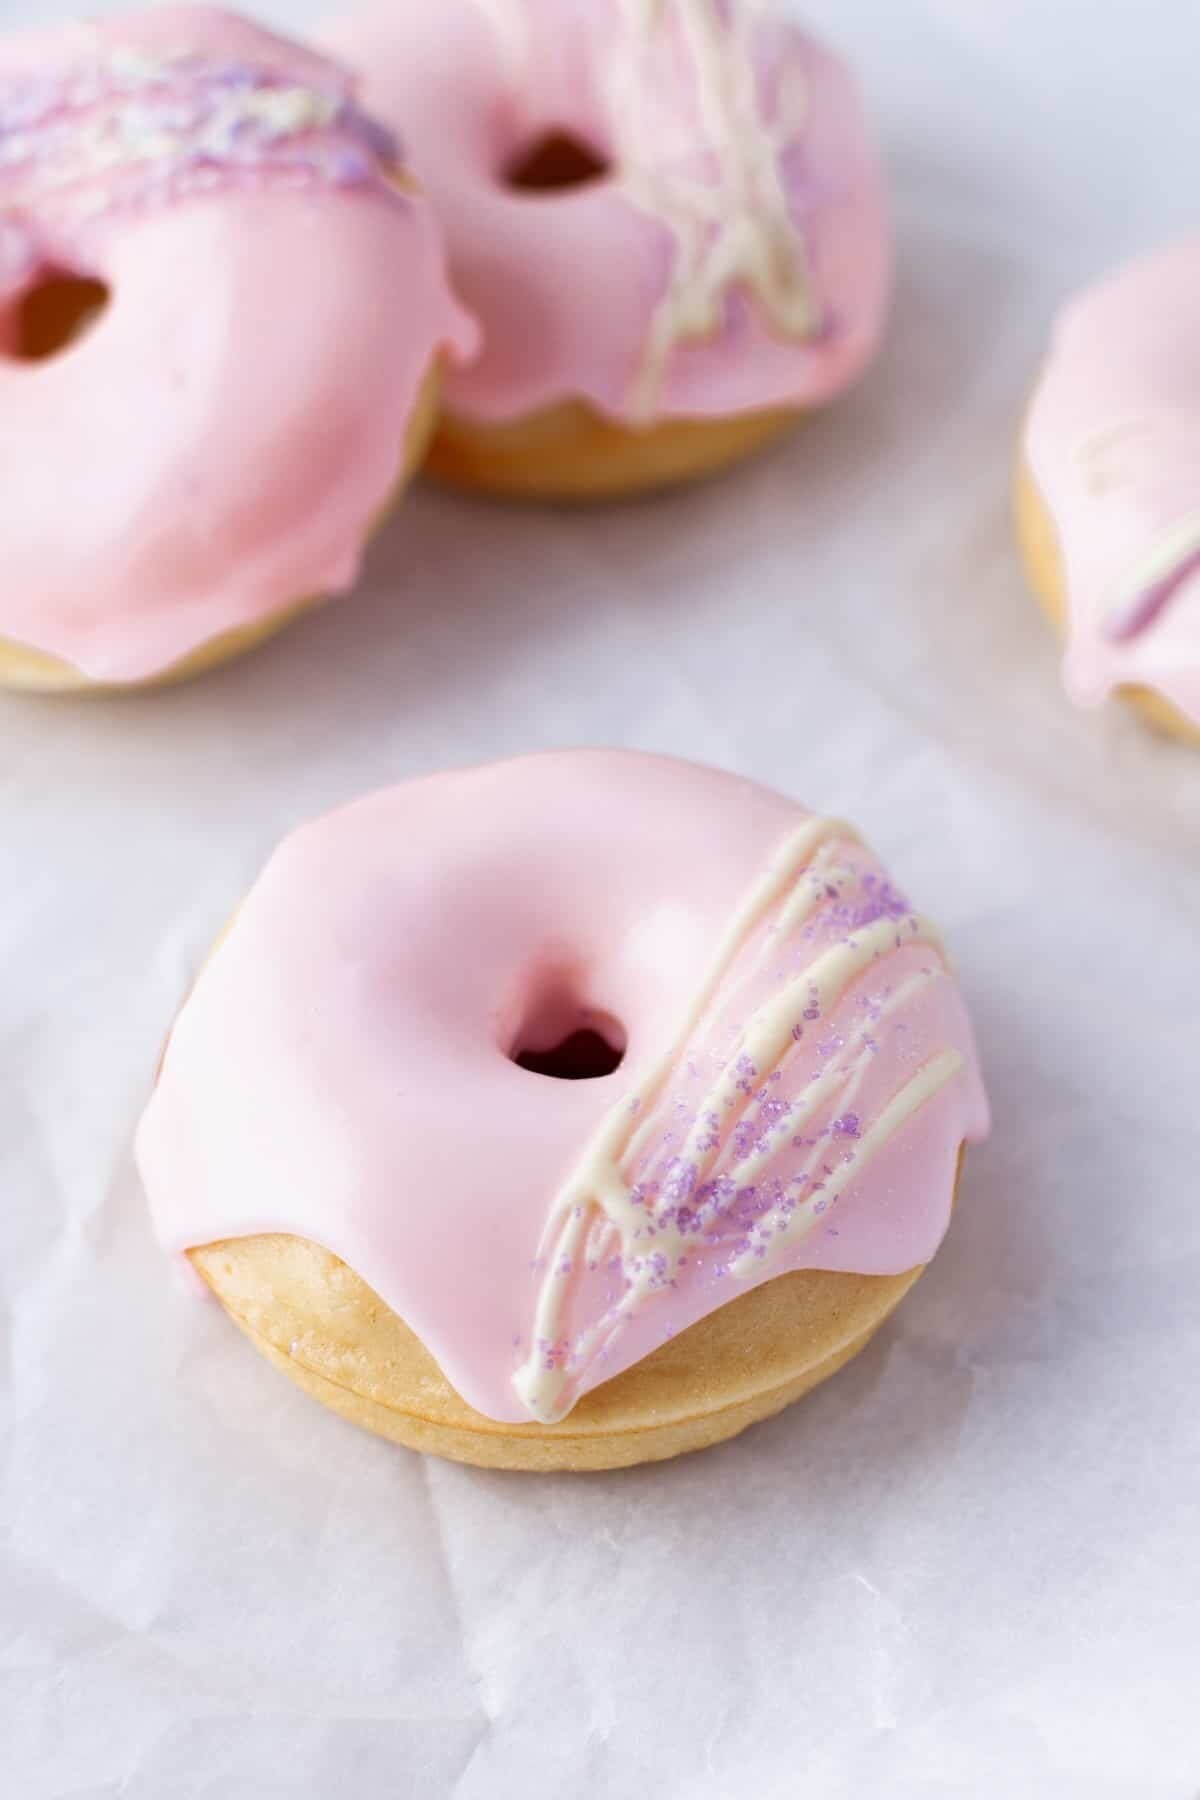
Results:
x,y
736,228
599,1212
1144,589
1133,459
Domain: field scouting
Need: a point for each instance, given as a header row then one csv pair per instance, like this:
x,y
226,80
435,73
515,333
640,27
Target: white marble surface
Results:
x,y
967,1567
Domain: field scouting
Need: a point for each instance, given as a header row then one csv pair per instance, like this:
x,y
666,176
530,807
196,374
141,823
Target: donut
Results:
x,y
204,406
666,215
1108,488
566,1113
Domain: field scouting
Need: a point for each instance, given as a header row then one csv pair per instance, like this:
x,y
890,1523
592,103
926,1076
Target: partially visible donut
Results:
x,y
665,213
197,216
364,1133
1108,488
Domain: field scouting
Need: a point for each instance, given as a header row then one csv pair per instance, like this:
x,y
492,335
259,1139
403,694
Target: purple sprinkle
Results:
x,y
351,165
377,138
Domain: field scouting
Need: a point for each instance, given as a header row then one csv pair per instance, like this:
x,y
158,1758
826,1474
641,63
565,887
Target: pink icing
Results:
x,y
342,1069
568,285
216,447
1113,444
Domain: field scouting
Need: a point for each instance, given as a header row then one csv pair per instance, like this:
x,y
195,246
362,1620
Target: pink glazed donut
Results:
x,y
208,449
666,215
565,1113
1108,488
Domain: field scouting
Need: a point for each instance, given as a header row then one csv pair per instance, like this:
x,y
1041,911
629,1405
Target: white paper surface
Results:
x,y
966,1567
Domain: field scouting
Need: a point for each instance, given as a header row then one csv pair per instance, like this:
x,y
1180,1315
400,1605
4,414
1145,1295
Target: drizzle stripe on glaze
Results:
x,y
798,1079
730,217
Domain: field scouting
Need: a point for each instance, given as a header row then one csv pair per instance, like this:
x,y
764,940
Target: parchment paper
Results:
x,y
967,1566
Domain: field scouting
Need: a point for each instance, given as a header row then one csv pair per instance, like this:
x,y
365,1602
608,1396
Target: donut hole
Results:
x,y
555,161
583,1055
56,312
566,1041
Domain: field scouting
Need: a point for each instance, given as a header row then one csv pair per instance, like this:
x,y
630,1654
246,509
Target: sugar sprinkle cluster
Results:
x,y
126,130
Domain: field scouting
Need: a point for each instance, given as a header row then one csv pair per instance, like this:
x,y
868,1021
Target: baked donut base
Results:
x,y
33,671
318,1321
1044,566
570,452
